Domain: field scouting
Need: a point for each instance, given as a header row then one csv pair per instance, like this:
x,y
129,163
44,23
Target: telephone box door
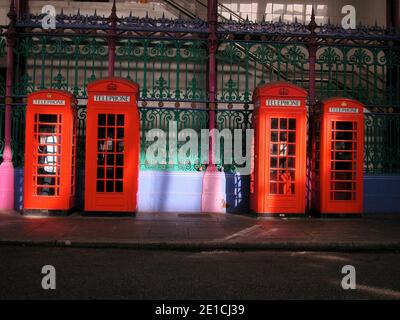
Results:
x,y
280,149
112,146
342,156
50,151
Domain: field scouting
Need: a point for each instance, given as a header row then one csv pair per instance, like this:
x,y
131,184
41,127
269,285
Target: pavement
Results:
x,y
185,231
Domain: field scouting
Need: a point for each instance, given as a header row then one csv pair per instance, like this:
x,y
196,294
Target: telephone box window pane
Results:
x,y
342,176
343,196
282,162
274,149
100,159
119,186
49,118
344,135
101,133
274,136
273,188
283,149
274,162
120,133
100,186
111,120
274,123
110,159
273,175
101,119
342,186
291,163
344,156
110,133
341,145
110,186
283,137
292,136
283,124
292,124
120,146
120,160
46,191
344,125
292,150
110,173
100,173
342,166
120,120
46,181
119,173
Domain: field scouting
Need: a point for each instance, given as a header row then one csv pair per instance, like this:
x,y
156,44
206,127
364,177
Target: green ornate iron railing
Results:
x,y
165,69
367,74
17,133
382,143
171,122
65,63
175,70
242,66
232,120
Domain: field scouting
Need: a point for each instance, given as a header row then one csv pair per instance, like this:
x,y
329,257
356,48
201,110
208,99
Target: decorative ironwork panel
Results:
x,y
65,63
166,120
382,143
242,66
232,120
166,70
17,133
367,74
81,136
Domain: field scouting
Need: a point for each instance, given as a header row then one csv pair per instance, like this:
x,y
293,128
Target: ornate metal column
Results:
x,y
213,195
312,47
112,40
6,167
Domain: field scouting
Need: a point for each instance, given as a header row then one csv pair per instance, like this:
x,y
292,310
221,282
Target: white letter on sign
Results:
x,y
49,280
49,20
349,280
349,20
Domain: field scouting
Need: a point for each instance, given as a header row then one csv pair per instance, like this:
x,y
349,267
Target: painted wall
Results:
x,y
164,191
382,194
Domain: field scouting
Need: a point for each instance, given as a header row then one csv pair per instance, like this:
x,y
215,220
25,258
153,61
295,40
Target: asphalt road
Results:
x,y
130,274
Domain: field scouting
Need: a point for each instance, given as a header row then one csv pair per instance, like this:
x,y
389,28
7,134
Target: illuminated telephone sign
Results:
x,y
50,151
338,157
112,146
279,170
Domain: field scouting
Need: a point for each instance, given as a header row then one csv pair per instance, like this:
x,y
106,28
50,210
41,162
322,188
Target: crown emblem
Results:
x,y
344,104
49,95
283,92
112,86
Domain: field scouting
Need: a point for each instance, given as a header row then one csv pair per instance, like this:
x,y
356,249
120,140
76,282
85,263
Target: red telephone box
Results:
x,y
112,146
50,151
338,157
278,180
